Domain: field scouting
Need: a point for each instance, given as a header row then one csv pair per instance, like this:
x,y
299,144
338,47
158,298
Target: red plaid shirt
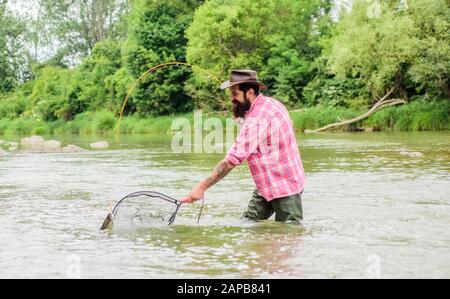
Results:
x,y
267,141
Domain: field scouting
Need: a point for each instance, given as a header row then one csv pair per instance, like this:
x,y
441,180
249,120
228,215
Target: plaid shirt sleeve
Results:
x,y
246,143
267,141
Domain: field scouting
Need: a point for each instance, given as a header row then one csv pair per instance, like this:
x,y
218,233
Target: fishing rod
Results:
x,y
148,72
109,221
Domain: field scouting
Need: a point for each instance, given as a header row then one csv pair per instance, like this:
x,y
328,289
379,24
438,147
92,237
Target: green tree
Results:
x,y
50,94
13,56
327,90
276,37
394,46
430,68
94,73
156,35
79,24
60,93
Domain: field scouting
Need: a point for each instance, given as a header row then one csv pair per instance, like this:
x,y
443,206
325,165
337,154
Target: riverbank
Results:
x,y
416,116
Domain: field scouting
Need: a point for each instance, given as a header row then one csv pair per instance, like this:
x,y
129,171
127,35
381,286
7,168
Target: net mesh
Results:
x,y
146,209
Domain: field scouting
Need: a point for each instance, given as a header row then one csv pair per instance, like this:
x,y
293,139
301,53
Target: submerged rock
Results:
x,y
12,146
73,149
411,154
9,146
37,144
99,145
52,145
33,143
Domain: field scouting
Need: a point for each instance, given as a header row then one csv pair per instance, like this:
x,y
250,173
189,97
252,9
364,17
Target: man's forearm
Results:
x,y
220,171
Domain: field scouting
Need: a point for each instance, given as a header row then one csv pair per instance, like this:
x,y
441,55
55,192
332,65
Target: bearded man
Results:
x,y
267,142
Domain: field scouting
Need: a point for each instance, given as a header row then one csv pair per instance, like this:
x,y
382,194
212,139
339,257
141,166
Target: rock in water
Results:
x,y
38,144
2,152
51,145
73,149
411,154
100,145
11,146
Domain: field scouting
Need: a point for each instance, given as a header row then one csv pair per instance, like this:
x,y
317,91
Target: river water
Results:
x,y
377,205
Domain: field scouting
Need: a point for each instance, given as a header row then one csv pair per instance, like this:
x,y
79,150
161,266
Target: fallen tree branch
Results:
x,y
391,103
378,106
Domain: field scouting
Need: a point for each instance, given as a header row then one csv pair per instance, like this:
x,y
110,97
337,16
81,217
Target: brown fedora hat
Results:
x,y
241,77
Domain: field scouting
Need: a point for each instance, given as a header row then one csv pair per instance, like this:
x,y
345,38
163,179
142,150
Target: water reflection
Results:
x,y
367,195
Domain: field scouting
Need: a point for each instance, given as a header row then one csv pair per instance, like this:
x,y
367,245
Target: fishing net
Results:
x,y
146,208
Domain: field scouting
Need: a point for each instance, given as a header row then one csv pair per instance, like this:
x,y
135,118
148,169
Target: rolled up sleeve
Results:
x,y
245,145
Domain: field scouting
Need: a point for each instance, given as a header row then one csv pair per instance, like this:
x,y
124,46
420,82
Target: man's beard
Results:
x,y
240,109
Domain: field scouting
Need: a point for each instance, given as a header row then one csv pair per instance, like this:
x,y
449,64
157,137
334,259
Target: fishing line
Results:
x,y
148,72
110,219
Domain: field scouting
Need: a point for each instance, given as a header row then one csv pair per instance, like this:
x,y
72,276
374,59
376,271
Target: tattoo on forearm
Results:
x,y
220,172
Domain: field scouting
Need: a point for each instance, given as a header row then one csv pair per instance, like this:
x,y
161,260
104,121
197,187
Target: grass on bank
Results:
x,y
415,116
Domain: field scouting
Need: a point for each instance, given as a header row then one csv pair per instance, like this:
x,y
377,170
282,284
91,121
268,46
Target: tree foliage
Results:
x,y
402,47
78,25
13,59
302,51
277,38
157,35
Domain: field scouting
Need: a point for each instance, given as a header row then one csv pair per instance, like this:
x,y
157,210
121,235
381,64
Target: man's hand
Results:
x,y
222,170
197,193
